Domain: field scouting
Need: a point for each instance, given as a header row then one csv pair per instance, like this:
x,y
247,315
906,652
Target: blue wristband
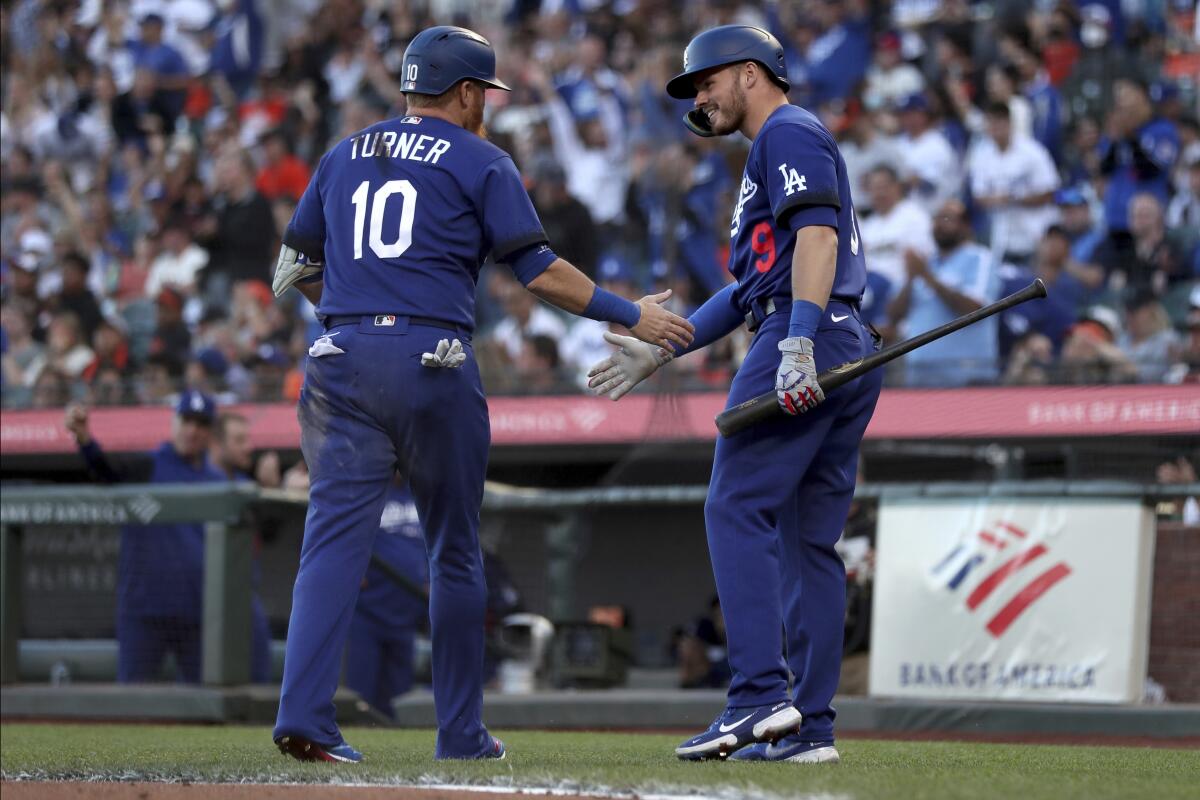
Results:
x,y
805,318
608,307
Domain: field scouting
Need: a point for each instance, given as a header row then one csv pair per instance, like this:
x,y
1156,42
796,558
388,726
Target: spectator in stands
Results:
x,y
930,166
76,297
51,388
961,278
1056,313
834,61
110,351
160,573
890,79
1089,88
865,146
589,143
179,262
525,316
392,605
243,240
232,455
1075,217
1153,259
1045,102
158,381
141,112
161,61
172,337
1149,340
1136,156
566,221
1090,354
539,367
66,350
1031,361
1184,212
282,173
896,226
23,355
1013,179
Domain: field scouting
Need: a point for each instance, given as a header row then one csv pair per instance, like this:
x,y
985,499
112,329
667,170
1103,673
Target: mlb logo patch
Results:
x,y
410,121
385,320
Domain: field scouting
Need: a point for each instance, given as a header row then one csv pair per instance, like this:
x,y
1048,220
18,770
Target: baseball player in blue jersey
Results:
x,y
780,492
388,240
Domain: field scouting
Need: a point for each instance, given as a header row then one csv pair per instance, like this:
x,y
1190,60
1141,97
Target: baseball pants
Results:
x,y
363,413
777,502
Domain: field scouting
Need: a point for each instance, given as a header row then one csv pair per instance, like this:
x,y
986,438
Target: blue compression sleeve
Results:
x,y
608,307
805,318
714,320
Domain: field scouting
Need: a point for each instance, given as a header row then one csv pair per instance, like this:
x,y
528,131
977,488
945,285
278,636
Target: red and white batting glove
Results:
x,y
796,384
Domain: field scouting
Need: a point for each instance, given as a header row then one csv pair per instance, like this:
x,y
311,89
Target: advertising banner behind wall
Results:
x,y
1014,599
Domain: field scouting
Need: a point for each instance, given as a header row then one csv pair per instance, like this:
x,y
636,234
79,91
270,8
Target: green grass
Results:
x,y
869,769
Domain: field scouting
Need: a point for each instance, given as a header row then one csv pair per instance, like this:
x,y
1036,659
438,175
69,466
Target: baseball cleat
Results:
x,y
498,751
791,749
737,727
302,749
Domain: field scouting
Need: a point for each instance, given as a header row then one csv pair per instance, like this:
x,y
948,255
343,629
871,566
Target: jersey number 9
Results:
x,y
378,203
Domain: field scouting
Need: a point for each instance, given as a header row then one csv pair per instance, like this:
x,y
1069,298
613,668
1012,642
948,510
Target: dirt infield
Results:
x,y
76,790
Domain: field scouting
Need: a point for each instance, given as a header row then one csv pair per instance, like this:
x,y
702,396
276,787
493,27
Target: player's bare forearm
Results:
x,y
564,286
814,264
311,291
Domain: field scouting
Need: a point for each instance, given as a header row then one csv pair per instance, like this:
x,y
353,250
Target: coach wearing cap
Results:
x,y
160,573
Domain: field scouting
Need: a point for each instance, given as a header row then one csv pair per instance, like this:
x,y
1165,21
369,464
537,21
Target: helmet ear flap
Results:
x,y
697,122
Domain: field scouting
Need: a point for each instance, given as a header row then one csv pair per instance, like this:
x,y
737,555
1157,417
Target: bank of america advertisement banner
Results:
x,y
1012,599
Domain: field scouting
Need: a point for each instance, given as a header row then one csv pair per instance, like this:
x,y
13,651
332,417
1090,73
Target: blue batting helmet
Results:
x,y
725,45
437,58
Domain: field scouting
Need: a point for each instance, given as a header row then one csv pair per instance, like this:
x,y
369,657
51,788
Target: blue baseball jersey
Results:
x,y
794,177
406,211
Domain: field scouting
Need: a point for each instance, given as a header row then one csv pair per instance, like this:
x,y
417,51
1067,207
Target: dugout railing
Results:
x,y
231,513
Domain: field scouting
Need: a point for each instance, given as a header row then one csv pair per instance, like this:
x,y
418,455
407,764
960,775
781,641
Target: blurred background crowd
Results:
x,y
154,150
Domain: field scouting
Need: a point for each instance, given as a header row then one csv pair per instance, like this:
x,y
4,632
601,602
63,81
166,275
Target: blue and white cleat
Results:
x,y
302,749
791,749
498,751
737,727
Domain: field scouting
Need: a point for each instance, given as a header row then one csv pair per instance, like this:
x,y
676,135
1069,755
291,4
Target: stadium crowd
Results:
x,y
153,151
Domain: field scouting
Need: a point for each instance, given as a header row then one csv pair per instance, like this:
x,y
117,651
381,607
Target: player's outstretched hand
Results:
x,y
659,326
796,384
633,362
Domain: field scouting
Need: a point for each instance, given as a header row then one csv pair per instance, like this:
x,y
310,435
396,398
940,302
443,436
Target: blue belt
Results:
x,y
760,309
353,319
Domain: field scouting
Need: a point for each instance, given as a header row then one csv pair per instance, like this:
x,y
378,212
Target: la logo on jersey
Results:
x,y
749,189
792,181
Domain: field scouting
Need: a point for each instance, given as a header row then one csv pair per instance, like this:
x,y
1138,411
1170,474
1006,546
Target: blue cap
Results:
x,y
614,268
1070,196
196,405
272,354
213,361
914,102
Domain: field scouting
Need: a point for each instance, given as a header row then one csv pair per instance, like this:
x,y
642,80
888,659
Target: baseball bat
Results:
x,y
766,406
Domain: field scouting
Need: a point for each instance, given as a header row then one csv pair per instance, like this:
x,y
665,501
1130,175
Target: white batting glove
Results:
x,y
635,361
796,384
447,355
291,267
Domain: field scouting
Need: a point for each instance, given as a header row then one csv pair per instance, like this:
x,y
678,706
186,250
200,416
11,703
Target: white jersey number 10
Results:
x,y
378,203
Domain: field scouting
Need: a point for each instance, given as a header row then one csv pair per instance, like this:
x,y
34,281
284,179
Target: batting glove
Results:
x,y
293,266
796,384
447,355
635,361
